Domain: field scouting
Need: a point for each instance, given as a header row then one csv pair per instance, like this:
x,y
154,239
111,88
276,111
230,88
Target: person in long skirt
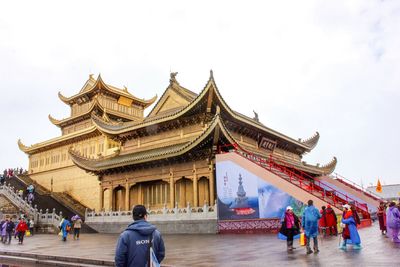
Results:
x,y
381,213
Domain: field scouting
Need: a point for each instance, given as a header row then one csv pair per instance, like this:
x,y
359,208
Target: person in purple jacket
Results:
x,y
393,222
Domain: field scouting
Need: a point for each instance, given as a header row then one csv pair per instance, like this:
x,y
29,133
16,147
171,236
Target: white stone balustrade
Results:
x,y
205,212
41,218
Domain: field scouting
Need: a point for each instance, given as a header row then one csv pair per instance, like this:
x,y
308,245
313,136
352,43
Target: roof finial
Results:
x,y
91,76
256,116
125,88
172,76
211,74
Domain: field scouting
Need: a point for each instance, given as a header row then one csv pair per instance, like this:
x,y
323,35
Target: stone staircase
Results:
x,y
62,197
46,202
307,183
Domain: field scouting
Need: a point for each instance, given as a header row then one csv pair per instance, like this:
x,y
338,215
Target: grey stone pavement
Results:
x,y
224,250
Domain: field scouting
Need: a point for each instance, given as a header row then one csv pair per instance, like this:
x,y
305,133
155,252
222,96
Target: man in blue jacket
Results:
x,y
310,220
133,247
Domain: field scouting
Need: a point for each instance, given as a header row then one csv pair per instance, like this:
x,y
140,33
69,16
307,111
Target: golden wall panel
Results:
x,y
82,186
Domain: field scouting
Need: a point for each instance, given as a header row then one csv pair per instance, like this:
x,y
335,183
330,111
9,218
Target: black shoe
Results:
x,y
316,251
309,251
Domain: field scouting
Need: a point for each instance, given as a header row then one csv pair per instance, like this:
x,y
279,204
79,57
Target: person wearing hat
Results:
x,y
290,227
133,247
350,233
310,220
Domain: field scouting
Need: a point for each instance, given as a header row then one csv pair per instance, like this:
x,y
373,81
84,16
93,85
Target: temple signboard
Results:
x,y
267,144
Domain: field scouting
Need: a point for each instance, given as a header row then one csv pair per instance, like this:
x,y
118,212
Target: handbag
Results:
x,y
303,239
152,259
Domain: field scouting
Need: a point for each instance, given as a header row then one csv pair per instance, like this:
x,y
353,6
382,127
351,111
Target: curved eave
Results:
x,y
23,147
32,149
321,170
257,125
100,83
95,104
102,164
312,141
55,121
64,99
330,167
113,129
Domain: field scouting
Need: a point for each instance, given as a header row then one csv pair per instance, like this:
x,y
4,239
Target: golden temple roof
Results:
x,y
54,141
95,104
92,84
119,160
210,88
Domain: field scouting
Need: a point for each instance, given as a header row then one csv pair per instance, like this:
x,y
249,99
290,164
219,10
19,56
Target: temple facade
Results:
x,y
110,156
50,163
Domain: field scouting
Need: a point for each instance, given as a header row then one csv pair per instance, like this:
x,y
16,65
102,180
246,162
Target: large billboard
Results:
x,y
243,195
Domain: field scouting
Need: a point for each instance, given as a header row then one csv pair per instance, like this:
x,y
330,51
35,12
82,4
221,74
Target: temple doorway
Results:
x,y
119,198
106,200
204,193
155,194
184,192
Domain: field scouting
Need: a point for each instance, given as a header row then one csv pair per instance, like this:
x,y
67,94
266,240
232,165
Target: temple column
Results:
x,y
171,189
111,197
105,145
101,198
211,180
127,207
140,194
195,188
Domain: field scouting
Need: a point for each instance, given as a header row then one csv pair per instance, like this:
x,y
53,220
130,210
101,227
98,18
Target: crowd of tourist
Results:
x,y
325,221
10,172
314,221
389,220
11,227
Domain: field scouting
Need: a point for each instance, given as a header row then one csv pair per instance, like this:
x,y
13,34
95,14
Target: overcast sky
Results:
x,y
304,66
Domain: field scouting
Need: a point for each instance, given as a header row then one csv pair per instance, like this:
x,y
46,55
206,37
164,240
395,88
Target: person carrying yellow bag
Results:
x,y
303,239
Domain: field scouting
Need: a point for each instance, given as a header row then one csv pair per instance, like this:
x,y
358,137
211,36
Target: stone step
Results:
x,y
51,260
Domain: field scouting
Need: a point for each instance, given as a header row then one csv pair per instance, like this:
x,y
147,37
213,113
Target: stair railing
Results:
x,y
356,186
306,181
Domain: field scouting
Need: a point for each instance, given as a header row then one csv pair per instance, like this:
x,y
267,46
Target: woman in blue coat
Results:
x,y
350,230
65,228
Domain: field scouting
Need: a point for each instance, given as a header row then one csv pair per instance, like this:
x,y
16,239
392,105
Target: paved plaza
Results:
x,y
220,250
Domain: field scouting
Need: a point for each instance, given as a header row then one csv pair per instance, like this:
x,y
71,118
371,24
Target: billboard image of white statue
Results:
x,y
243,195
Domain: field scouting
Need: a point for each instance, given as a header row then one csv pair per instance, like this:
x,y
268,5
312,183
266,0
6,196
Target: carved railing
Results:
x,y
12,195
205,212
41,217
